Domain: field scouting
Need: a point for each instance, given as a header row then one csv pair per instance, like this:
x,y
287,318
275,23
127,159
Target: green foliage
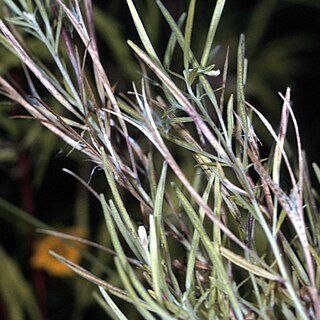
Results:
x,y
234,204
15,291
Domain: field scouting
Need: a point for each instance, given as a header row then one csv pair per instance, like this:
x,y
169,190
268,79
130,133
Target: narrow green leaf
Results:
x,y
119,314
112,231
13,7
242,124
103,304
16,292
277,158
131,292
142,32
127,235
148,295
245,264
122,209
187,36
317,171
91,277
19,215
195,240
240,81
296,263
310,199
212,31
230,120
157,237
213,254
282,217
171,45
155,257
58,32
217,207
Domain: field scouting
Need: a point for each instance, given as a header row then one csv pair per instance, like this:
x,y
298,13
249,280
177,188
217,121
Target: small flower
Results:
x,y
142,233
42,259
143,238
213,73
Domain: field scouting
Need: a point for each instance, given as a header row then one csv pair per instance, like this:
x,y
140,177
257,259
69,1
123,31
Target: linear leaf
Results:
x,y
213,254
245,264
212,31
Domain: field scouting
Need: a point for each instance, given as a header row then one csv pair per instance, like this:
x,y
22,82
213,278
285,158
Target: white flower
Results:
x,y
143,238
213,73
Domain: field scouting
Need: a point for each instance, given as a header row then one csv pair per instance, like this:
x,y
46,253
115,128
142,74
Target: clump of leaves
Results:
x,y
218,209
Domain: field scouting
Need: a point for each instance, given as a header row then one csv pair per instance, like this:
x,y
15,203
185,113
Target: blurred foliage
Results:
x,y
15,291
283,49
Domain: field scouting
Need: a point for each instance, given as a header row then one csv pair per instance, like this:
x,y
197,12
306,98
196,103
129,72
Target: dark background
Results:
x,y
283,48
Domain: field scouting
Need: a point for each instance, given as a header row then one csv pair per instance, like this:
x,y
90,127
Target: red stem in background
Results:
x,y
27,196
